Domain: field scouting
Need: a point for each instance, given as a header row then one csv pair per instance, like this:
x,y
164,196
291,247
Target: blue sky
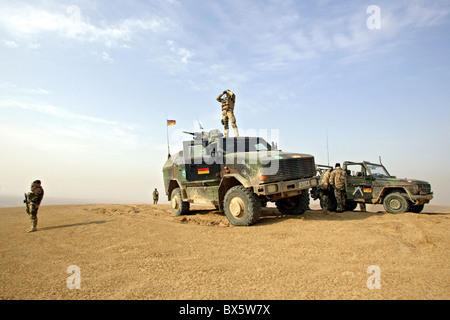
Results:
x,y
85,86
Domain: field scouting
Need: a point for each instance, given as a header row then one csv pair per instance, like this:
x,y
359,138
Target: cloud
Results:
x,y
10,44
49,109
12,88
181,53
65,132
107,57
28,21
280,36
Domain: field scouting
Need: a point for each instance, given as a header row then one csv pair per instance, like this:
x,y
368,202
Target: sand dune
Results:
x,y
144,252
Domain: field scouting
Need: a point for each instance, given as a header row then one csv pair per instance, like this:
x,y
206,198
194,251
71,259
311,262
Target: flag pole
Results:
x,y
167,131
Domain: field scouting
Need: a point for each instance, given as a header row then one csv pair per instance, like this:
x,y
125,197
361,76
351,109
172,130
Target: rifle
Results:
x,y
27,203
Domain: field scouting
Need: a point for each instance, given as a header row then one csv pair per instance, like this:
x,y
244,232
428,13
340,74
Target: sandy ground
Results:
x,y
144,252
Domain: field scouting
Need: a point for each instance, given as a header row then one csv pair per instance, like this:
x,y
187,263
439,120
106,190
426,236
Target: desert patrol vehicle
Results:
x,y
371,183
238,176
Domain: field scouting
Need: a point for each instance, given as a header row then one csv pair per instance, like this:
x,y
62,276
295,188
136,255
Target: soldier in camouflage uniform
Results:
x,y
34,200
228,111
155,196
337,181
325,190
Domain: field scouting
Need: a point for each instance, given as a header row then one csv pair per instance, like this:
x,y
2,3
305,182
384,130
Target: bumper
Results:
x,y
421,199
285,188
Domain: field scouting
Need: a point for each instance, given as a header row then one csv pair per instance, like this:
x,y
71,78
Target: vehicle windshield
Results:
x,y
377,170
245,144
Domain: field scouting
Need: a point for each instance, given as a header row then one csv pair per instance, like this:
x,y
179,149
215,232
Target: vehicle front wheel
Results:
x,y
179,206
417,209
396,203
242,207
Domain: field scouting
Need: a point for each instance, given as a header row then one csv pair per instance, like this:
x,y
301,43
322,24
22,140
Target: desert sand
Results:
x,y
144,252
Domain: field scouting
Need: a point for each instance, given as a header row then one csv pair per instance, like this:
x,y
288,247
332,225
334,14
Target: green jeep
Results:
x,y
371,183
238,176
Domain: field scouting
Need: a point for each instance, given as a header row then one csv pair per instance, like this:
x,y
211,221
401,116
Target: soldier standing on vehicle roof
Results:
x,y
337,181
34,200
228,99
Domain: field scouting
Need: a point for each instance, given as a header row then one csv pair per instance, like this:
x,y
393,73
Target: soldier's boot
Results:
x,y
236,132
33,226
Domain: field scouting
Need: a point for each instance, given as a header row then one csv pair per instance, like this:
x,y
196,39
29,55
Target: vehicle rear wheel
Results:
x,y
294,205
242,207
396,203
179,206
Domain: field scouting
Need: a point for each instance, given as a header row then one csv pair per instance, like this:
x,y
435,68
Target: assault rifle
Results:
x,y
27,203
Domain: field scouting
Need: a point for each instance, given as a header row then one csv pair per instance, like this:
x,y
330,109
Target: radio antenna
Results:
x,y
328,151
199,124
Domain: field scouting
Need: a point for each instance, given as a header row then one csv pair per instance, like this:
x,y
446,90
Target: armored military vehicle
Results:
x,y
238,176
371,183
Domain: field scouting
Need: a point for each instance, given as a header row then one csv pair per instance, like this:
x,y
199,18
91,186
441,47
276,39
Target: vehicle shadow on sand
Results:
x,y
271,215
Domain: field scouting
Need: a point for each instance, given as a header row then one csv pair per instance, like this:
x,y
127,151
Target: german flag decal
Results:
x,y
367,190
203,171
296,156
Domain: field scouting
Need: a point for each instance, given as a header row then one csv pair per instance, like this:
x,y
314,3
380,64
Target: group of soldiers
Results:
x,y
335,180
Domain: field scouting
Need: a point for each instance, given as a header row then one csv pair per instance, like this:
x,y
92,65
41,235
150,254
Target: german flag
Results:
x,y
171,122
203,171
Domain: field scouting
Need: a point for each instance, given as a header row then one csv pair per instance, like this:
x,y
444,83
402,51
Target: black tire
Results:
x,y
396,203
294,205
350,205
242,207
330,203
417,209
179,206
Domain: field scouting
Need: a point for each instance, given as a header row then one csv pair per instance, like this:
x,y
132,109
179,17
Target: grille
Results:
x,y
289,169
424,188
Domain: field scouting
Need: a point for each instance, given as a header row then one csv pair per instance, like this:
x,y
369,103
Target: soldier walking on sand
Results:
x,y
155,196
337,181
34,198
228,99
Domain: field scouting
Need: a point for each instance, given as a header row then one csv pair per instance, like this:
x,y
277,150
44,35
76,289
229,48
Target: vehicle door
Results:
x,y
202,161
359,183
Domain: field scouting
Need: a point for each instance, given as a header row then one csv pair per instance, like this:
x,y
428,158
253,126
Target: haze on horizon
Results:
x,y
86,87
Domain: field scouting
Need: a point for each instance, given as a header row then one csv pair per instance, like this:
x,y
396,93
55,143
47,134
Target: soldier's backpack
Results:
x,y
339,180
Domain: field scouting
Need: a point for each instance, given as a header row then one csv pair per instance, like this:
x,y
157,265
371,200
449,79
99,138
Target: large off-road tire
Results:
x,y
179,206
242,207
350,205
396,203
294,205
329,203
417,209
